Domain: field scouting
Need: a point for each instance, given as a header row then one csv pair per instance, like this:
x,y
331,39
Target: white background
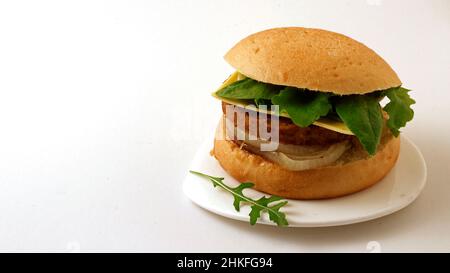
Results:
x,y
104,103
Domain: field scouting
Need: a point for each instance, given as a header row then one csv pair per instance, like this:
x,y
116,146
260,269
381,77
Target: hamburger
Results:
x,y
309,114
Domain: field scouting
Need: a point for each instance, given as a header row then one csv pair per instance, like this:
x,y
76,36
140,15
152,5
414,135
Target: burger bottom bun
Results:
x,y
356,173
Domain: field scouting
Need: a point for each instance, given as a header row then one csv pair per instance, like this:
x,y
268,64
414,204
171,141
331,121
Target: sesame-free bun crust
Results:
x,y
314,59
326,182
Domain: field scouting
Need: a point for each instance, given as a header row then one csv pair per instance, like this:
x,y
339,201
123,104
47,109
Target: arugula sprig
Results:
x,y
257,206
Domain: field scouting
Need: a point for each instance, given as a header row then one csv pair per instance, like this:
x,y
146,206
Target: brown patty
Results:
x,y
293,134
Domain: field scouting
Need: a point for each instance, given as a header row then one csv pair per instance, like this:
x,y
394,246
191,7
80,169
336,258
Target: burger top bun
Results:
x,y
314,59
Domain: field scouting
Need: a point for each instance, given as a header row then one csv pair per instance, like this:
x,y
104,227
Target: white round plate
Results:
x,y
397,190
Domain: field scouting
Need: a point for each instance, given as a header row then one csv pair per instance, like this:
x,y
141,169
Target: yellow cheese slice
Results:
x,y
330,124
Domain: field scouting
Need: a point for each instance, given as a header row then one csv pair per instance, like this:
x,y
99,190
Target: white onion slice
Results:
x,y
306,161
292,157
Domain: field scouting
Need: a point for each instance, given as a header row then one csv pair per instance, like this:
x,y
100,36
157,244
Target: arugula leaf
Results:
x,y
362,115
274,214
398,108
303,107
247,89
257,206
259,102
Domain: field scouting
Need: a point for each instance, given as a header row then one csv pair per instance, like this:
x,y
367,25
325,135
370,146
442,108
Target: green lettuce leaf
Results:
x,y
303,107
248,89
362,115
398,108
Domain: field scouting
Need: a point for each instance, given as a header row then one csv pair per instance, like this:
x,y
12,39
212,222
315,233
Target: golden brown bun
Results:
x,y
312,58
356,173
